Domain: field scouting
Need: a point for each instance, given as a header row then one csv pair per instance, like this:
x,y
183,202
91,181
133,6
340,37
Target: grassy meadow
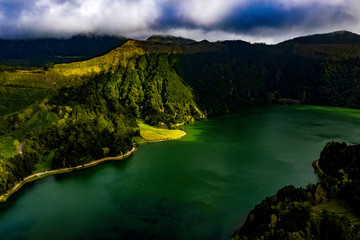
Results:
x,y
150,133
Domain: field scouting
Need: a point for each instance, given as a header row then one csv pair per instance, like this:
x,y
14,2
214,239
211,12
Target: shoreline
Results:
x,y
37,176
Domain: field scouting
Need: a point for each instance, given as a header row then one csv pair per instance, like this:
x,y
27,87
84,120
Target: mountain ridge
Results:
x,y
37,51
341,37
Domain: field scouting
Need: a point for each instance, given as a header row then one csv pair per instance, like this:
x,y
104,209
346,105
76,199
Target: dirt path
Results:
x,y
37,176
318,167
21,148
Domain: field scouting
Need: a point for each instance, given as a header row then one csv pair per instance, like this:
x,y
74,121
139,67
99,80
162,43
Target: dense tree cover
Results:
x,y
152,90
322,69
81,134
293,213
341,166
148,87
10,95
223,81
290,214
91,125
321,82
242,74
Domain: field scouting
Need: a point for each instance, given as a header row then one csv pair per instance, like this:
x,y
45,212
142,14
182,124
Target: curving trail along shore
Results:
x,y
41,175
317,167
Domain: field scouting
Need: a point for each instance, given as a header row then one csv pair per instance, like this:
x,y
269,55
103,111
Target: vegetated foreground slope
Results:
x,y
65,115
327,210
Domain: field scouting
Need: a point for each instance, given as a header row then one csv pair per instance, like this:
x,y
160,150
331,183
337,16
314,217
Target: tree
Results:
x,y
49,66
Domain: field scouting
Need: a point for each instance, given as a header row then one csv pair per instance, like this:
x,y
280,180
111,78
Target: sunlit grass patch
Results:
x,y
150,133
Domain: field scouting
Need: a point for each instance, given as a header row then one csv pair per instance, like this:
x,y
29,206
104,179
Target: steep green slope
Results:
x,y
321,69
223,81
139,74
321,82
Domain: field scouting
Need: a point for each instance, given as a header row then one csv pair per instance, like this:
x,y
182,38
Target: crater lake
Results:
x,y
199,187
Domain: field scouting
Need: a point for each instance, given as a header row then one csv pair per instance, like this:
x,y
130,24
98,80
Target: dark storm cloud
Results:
x,y
274,15
214,19
249,17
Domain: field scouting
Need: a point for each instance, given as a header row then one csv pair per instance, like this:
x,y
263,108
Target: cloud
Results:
x,y
68,17
263,19
270,20
276,15
206,13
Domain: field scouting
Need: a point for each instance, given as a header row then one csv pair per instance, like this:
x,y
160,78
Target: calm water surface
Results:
x,y
200,187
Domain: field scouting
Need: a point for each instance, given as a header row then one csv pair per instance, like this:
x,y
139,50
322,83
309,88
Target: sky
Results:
x,y
269,21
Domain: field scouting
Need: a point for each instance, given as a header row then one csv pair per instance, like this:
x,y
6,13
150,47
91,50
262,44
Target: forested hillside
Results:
x,y
63,115
321,69
70,114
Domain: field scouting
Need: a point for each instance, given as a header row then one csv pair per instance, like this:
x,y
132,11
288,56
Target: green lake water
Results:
x,y
199,187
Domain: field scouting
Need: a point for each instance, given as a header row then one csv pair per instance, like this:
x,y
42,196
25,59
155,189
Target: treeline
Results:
x,y
243,74
292,214
296,213
223,81
321,81
87,127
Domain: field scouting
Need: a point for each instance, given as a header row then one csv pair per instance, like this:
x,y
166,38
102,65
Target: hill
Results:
x,y
37,52
320,69
170,39
313,44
